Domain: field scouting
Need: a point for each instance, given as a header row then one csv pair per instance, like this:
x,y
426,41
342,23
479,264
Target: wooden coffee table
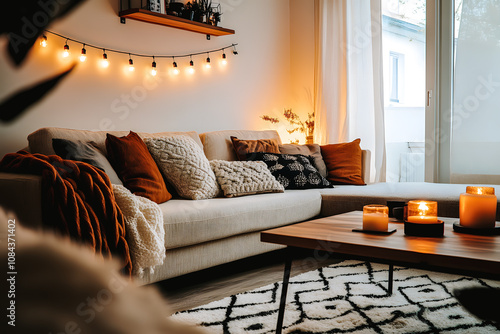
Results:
x,y
467,253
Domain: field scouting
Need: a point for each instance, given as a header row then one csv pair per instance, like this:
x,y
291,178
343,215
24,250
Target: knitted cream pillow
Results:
x,y
238,178
183,163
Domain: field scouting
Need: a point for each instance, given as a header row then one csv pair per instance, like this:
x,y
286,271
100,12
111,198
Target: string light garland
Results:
x,y
105,61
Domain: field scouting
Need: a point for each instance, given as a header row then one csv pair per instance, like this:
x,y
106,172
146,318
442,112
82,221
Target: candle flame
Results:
x,y
422,209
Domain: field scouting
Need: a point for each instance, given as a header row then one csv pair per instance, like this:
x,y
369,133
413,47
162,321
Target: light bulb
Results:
x,y
104,62
131,67
43,41
175,69
207,63
191,67
66,51
224,59
153,70
83,56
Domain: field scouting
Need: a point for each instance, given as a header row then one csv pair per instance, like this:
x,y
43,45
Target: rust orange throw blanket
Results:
x,y
77,200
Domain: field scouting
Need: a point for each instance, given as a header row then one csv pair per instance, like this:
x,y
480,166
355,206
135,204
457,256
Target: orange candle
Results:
x,y
375,217
422,212
478,207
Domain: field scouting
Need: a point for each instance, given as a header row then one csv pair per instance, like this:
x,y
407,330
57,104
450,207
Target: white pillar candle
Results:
x,y
478,207
375,217
375,222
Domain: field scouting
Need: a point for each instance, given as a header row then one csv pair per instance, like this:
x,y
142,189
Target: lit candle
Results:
x,y
478,207
422,212
375,217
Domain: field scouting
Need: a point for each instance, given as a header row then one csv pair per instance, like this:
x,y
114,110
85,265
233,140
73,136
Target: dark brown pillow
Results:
x,y
343,162
133,163
243,147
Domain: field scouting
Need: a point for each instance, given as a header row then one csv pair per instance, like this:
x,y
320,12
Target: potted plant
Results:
x,y
305,127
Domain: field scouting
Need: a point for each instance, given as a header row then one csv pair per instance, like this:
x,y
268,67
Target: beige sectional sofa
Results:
x,y
205,233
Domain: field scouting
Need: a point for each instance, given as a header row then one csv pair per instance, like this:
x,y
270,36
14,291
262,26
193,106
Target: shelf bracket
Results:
x,y
123,20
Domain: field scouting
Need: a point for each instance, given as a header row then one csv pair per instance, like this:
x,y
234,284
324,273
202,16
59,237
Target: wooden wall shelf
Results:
x,y
174,21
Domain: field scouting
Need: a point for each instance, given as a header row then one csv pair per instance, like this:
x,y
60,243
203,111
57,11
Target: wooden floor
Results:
x,y
203,287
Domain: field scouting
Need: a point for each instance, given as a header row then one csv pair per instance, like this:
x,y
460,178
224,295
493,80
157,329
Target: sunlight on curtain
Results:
x,y
349,96
475,148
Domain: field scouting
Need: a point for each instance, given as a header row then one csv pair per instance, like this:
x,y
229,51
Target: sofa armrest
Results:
x,y
365,165
21,195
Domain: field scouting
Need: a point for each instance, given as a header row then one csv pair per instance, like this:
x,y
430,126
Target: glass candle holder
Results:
x,y
478,207
375,217
422,212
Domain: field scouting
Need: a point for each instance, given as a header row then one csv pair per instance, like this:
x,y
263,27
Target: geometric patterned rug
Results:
x,y
349,297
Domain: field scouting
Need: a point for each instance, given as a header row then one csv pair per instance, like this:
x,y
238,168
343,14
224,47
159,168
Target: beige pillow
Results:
x,y
183,163
313,150
239,178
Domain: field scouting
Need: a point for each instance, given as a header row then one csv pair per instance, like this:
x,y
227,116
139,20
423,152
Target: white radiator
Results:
x,y
412,167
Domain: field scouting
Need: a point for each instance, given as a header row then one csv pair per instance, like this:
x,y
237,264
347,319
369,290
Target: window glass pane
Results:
x,y
403,39
475,147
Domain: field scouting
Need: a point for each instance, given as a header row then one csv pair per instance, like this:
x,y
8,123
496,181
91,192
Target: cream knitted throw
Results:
x,y
145,232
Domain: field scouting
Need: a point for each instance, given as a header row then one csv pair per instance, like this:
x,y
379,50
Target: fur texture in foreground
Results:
x,y
63,288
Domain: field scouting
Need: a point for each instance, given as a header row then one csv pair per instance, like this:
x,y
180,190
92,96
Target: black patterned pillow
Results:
x,y
293,171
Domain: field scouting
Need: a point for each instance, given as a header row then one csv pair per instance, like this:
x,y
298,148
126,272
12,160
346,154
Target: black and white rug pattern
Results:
x,y
349,297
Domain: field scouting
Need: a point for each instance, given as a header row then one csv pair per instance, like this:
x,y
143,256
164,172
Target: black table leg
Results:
x,y
391,275
284,290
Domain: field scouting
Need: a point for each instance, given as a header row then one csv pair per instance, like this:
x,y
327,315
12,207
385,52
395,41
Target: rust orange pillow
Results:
x,y
135,166
343,162
243,147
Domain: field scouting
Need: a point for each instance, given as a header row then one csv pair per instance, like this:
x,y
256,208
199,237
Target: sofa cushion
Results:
x,y
85,152
40,141
184,165
191,222
218,146
314,150
293,171
242,147
343,162
239,178
132,161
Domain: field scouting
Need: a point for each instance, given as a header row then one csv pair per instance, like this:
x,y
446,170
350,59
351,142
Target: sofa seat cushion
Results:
x,y
191,222
349,198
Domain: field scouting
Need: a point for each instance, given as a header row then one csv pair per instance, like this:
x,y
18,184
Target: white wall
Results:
x,y
255,82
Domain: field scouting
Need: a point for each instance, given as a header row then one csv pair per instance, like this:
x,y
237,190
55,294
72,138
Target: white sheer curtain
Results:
x,y
475,144
348,78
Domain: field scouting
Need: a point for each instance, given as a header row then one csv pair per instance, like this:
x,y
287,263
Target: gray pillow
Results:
x,y
85,152
239,178
314,150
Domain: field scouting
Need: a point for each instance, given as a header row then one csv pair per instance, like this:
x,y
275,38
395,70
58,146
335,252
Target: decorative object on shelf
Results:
x,y
157,6
215,14
422,219
478,207
106,62
375,217
174,8
297,125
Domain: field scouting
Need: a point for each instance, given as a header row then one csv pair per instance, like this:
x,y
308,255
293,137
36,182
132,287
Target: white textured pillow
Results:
x,y
183,163
238,178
